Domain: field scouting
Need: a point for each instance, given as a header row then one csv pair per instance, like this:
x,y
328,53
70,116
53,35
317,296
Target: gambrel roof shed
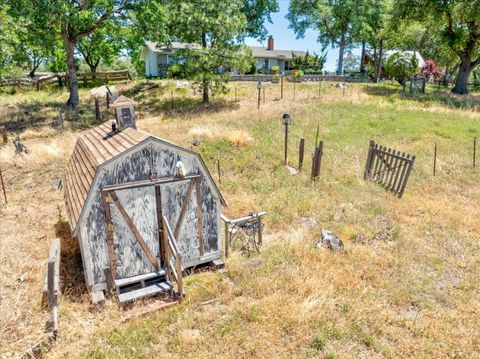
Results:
x,y
141,172
95,148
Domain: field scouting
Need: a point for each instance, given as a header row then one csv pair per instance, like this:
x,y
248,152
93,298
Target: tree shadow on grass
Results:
x,y
432,96
71,267
186,105
154,97
35,115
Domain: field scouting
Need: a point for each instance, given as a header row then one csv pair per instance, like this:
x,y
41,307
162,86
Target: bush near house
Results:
x,y
431,70
309,63
401,66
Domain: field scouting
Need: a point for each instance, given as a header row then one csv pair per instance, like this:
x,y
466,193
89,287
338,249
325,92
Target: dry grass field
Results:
x,y
407,284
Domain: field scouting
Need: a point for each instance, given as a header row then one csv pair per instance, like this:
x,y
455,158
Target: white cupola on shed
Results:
x,y
124,113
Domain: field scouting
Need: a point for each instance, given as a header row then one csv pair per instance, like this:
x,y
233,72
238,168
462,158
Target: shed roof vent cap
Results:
x,y
124,112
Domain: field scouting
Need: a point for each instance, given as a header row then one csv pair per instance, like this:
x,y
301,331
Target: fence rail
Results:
x,y
173,258
388,167
38,83
102,76
304,78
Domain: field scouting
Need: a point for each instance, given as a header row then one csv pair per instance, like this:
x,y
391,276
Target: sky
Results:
x,y
285,39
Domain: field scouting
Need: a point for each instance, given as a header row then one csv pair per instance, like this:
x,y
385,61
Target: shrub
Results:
x,y
431,70
401,66
275,69
318,343
174,71
297,74
253,69
476,77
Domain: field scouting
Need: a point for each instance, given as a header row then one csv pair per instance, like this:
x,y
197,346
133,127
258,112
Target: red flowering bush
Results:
x,y
431,70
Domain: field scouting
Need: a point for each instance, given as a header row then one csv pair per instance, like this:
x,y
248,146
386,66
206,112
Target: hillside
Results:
x,y
406,284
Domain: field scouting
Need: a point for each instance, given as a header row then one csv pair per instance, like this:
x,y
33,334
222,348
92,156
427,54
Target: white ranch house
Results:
x,y
158,58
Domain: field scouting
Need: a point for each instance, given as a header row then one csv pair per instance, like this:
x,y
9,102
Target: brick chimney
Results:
x,y
270,43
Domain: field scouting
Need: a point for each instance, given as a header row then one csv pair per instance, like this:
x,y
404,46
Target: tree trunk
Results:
x,y
205,82
205,98
73,100
362,59
340,55
461,84
379,66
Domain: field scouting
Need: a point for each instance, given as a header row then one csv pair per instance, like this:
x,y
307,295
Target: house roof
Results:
x,y
257,51
262,52
167,48
96,147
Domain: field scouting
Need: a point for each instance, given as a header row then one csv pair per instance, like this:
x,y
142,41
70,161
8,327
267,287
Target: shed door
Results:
x,y
136,240
182,207
133,215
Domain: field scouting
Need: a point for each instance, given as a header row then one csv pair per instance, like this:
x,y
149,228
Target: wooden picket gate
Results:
x,y
388,167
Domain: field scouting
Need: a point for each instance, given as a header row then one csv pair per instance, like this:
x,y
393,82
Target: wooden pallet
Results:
x,y
142,286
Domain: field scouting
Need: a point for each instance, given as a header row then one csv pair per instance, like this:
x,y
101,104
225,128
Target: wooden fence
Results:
x,y
40,82
106,77
36,83
304,78
388,167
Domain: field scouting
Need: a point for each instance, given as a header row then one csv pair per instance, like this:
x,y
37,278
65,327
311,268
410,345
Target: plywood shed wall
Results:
x,y
104,158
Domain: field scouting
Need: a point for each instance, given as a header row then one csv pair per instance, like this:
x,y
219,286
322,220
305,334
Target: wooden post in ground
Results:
x,y
434,158
320,158
97,109
260,234
281,87
316,137
301,153
258,105
315,163
3,132
3,187
474,150
227,240
317,160
108,100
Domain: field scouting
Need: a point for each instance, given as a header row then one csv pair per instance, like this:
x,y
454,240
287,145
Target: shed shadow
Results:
x,y
73,286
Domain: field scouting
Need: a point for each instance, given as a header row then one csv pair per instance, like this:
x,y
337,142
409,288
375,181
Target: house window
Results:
x,y
286,65
265,66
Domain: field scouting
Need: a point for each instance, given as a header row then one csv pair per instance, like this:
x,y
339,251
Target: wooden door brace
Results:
x,y
134,230
176,232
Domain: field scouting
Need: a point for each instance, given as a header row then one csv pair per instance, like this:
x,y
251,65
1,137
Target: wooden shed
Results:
x,y
132,201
